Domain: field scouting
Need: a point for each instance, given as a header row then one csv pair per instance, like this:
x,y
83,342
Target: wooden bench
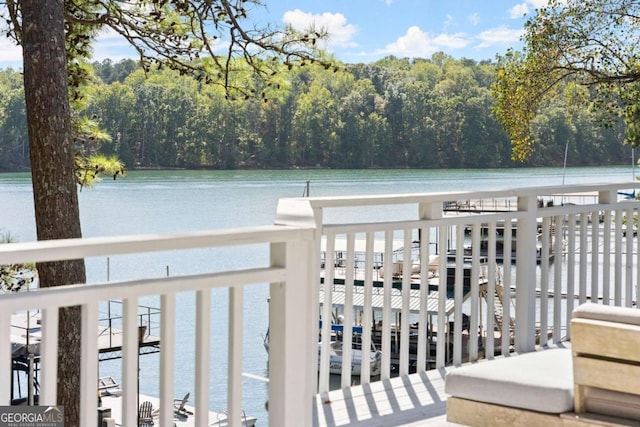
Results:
x,y
595,382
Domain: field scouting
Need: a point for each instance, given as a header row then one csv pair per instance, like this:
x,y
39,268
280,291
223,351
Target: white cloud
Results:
x,y
447,22
518,11
110,45
417,43
537,4
528,7
10,53
474,19
340,32
451,41
500,35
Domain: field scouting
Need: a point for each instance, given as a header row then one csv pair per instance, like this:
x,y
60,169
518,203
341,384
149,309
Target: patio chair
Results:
x,y
179,407
108,386
145,414
596,382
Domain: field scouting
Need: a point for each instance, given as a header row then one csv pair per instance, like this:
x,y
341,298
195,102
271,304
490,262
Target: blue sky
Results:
x,y
367,30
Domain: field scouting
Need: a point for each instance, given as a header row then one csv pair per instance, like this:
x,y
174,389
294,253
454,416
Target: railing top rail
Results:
x,y
77,294
66,249
409,198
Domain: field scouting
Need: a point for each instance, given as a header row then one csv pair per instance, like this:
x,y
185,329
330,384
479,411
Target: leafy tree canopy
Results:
x,y
570,44
205,39
217,42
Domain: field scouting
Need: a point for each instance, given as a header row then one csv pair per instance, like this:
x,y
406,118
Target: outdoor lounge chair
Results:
x,y
594,382
108,386
179,406
145,414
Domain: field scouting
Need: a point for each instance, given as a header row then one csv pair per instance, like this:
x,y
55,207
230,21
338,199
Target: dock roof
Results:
x,y
338,296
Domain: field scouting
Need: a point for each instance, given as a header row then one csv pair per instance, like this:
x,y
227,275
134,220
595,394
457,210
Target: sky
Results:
x,y
367,30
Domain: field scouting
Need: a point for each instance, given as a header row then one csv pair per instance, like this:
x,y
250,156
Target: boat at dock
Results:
x,y
336,351
336,358
396,296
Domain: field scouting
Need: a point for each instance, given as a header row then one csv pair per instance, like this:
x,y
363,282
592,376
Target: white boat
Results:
x,y
335,352
335,358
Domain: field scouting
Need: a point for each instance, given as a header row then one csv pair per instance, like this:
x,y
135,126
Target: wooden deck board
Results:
x,y
413,400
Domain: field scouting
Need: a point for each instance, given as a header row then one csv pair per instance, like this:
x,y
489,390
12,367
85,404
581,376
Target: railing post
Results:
x,y
300,213
526,275
292,362
293,320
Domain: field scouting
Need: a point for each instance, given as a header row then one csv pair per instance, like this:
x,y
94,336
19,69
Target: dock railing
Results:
x,y
554,256
546,253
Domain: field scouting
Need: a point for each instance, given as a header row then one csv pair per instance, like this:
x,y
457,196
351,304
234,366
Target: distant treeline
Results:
x,y
394,113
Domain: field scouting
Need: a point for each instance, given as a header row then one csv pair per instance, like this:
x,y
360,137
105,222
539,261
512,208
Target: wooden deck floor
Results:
x,y
410,401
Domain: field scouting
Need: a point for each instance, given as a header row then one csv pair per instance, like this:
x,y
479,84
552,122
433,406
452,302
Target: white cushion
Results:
x,y
540,381
607,313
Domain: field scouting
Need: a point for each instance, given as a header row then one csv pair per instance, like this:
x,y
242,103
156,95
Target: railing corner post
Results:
x,y
293,320
526,275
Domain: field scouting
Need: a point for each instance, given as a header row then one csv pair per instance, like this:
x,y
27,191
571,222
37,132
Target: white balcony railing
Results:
x,y
438,279
568,244
287,272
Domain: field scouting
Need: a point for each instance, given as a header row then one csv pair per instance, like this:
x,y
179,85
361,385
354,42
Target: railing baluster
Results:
x,y
507,329
557,278
89,371
628,265
606,259
424,345
385,373
571,270
234,376
458,295
130,362
474,312
545,250
617,259
167,358
329,273
585,228
49,357
595,256
491,290
406,294
367,318
442,348
203,356
347,335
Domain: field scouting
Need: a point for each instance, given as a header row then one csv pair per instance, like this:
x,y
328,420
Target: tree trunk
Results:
x,y
53,175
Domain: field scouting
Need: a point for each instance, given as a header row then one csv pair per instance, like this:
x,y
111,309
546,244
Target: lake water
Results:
x,y
179,201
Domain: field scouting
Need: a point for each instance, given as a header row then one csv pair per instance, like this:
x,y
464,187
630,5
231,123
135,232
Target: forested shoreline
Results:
x,y
394,113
